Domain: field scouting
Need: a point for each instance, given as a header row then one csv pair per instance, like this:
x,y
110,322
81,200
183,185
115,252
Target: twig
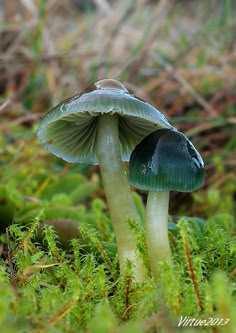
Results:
x,y
29,118
30,6
5,105
127,292
12,275
172,70
192,275
32,159
232,274
128,309
104,6
104,255
139,57
216,248
58,316
31,199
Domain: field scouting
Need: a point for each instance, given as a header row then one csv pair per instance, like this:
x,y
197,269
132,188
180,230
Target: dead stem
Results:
x,y
192,275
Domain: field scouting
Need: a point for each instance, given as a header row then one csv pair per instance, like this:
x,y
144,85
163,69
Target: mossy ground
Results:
x,y
58,263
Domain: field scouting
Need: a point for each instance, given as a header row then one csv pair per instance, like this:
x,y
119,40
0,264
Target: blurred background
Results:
x,y
179,56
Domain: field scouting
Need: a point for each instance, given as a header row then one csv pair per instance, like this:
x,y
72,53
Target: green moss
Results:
x,y
46,289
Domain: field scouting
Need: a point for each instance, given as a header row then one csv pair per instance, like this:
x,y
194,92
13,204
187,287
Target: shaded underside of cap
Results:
x,y
166,161
69,130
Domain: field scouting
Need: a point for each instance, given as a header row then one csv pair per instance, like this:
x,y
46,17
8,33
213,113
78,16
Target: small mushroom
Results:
x,y
102,126
163,161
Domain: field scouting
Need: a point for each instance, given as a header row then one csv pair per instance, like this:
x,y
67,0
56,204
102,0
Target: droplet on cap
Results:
x,y
106,84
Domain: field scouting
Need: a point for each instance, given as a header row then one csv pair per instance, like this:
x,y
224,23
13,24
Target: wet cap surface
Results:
x,y
69,129
166,161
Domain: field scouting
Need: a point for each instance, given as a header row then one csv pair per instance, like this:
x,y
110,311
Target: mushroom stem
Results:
x,y
157,229
118,193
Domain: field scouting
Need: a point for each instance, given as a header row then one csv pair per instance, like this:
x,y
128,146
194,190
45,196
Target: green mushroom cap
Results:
x,y
166,160
69,129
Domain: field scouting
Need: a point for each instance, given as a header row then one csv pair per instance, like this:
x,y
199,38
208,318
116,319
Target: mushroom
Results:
x,y
102,126
163,161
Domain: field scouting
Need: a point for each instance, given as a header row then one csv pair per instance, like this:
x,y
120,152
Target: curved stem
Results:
x,y
119,196
157,229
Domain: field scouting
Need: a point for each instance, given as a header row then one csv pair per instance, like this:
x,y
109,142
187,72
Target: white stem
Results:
x,y
118,193
157,229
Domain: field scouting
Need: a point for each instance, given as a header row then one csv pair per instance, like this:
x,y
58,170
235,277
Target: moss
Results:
x,y
45,288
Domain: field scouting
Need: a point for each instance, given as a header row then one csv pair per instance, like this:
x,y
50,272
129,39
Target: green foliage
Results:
x,y
59,268
45,288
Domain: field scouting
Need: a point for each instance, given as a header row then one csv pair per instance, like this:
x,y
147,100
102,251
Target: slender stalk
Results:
x,y
157,229
119,196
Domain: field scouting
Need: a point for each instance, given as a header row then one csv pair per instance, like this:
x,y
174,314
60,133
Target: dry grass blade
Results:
x,y
174,73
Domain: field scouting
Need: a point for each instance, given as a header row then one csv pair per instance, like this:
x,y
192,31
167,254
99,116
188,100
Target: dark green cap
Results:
x,y
69,129
166,160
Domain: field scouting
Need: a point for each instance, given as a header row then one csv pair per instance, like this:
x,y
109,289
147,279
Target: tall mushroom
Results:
x,y
163,161
102,126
